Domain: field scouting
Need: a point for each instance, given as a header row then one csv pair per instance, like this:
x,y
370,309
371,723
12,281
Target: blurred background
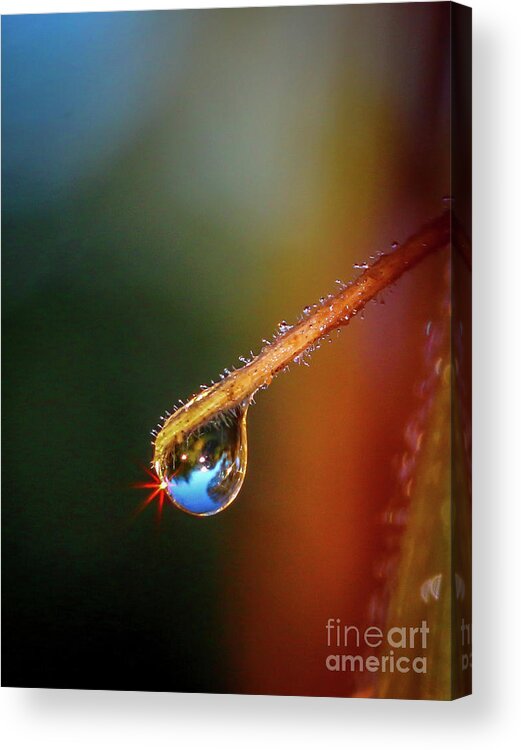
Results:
x,y
174,184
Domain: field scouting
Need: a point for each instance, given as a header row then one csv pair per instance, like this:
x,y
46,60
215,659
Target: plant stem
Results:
x,y
239,386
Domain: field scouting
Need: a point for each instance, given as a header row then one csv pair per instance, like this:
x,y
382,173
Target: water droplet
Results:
x,y
284,327
363,266
395,245
203,474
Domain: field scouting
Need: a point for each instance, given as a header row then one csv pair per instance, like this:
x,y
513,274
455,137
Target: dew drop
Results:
x,y
284,327
203,474
362,266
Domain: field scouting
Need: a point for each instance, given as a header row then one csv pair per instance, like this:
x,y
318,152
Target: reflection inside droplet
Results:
x,y
204,474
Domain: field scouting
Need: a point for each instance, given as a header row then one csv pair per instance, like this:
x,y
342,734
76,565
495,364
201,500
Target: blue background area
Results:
x,y
75,89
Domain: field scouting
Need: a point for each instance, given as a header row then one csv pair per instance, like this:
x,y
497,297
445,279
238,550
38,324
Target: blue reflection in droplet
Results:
x,y
204,474
197,492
